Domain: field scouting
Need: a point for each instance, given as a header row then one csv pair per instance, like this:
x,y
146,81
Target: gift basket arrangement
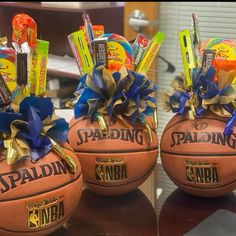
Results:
x,y
113,130
198,143
41,179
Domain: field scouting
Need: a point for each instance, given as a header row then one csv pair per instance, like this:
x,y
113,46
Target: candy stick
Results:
x,y
151,52
98,30
196,39
140,46
187,54
89,30
81,51
38,68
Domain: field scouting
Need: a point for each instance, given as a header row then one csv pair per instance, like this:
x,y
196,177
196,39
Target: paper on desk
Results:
x,y
63,64
221,222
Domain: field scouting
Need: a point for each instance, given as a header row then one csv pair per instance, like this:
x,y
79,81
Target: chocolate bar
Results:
x,y
207,58
5,94
21,69
100,51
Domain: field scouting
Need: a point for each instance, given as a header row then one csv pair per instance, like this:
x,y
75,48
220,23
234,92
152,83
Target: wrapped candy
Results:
x,y
24,30
111,87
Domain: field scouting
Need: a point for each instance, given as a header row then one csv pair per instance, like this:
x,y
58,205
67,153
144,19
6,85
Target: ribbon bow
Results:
x,y
123,94
205,93
33,131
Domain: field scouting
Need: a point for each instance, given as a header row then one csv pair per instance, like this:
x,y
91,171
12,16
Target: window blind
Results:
x,y
216,19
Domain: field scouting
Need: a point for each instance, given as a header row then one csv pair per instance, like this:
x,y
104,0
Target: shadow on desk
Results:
x,y
179,212
131,214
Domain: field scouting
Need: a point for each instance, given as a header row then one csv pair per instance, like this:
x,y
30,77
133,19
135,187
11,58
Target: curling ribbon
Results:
x,y
67,158
229,125
16,148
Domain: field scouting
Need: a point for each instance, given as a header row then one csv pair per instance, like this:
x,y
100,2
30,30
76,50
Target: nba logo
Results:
x,y
33,219
189,173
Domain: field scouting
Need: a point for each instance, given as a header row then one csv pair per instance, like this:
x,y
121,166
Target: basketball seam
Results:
x,y
187,120
118,151
75,123
42,192
130,182
199,154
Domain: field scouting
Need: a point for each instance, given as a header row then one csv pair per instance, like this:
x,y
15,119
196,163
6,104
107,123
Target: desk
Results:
x,y
172,213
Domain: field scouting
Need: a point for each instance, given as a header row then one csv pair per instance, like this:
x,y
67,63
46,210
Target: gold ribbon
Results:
x,y
148,131
102,123
16,148
66,157
48,124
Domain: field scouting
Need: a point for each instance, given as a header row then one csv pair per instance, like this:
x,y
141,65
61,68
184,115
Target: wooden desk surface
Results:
x,y
172,212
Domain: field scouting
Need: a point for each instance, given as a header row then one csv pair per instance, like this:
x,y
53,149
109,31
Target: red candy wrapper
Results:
x,y
24,30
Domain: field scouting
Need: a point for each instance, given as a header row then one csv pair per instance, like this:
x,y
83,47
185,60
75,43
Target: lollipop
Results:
x,y
7,64
24,30
120,52
225,48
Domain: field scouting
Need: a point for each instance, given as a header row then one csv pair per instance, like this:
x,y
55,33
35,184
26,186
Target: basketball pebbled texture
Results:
x,y
36,198
116,163
197,157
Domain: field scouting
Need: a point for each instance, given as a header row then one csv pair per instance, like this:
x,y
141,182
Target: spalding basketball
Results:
x,y
115,163
198,157
36,198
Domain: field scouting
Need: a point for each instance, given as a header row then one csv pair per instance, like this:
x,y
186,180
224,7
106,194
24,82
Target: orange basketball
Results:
x,y
115,163
36,198
198,157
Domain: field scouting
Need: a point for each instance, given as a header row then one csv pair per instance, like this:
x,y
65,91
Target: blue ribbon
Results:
x,y
34,110
230,125
133,87
177,102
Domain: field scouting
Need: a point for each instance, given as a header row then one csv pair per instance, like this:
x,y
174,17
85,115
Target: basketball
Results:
x,y
117,162
197,156
38,197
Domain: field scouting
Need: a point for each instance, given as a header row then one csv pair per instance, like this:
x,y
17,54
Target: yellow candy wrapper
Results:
x,y
151,52
38,68
81,51
187,54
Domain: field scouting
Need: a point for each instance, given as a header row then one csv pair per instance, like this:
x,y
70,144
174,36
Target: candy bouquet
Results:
x,y
197,148
113,79
28,125
209,79
113,131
